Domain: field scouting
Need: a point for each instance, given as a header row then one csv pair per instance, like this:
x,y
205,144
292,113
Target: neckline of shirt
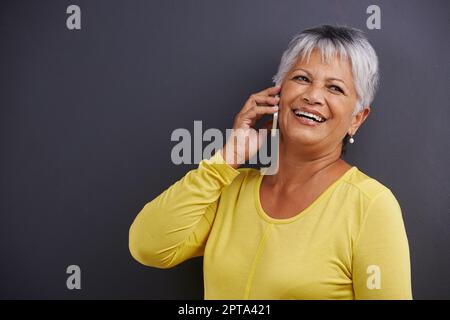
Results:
x,y
300,214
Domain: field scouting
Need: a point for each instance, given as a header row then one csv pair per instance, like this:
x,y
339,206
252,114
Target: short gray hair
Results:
x,y
341,41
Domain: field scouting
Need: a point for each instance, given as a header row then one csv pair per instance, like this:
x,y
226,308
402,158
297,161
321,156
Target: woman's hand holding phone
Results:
x,y
244,140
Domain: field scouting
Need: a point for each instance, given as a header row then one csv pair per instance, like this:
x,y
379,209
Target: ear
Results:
x,y
358,119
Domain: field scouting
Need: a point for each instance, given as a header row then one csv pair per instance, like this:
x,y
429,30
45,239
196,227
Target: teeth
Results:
x,y
320,119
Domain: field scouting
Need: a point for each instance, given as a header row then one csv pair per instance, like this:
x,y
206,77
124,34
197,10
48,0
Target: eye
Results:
x,y
336,89
301,78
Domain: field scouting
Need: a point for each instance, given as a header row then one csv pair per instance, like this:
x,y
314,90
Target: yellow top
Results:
x,y
350,243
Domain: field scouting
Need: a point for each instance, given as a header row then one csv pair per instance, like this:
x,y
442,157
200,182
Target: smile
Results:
x,y
308,118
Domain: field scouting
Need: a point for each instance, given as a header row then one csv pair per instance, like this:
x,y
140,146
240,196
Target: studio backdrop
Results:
x,y
91,93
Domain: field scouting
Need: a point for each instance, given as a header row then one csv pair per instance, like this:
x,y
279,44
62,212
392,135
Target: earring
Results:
x,y
351,140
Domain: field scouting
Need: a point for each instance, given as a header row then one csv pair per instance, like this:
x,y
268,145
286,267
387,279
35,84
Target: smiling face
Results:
x,y
321,89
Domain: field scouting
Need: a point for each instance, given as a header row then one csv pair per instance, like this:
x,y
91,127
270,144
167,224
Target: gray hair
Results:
x,y
331,41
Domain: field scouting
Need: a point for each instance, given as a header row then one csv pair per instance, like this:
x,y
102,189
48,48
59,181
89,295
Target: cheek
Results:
x,y
283,113
341,107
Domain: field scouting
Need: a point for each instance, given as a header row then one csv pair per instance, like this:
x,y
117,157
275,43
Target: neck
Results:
x,y
299,166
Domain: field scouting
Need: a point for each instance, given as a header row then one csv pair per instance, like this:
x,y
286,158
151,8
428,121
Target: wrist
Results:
x,y
228,158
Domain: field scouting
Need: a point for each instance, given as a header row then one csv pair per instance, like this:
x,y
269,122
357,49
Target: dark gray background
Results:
x,y
86,119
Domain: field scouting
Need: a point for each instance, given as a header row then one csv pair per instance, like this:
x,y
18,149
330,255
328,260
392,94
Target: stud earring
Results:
x,y
351,140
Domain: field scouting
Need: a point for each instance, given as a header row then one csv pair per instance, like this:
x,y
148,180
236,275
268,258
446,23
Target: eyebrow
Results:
x,y
336,79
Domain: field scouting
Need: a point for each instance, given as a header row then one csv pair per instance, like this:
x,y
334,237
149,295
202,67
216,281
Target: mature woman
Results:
x,y
317,229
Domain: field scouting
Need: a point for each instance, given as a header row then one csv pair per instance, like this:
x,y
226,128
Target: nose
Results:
x,y
313,95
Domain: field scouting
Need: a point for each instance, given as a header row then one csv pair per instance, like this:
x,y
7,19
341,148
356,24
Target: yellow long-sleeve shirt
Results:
x,y
350,243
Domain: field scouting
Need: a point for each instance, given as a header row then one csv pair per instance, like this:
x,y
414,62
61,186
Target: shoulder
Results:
x,y
246,175
371,193
368,187
244,181
375,199
375,212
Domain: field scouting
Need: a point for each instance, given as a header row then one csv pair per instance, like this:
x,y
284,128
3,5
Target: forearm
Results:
x,y
174,226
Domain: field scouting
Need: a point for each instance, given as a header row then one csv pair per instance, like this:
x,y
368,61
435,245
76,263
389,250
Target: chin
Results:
x,y
301,137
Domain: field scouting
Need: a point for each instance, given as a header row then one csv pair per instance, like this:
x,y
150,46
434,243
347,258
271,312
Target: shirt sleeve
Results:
x,y
175,225
381,263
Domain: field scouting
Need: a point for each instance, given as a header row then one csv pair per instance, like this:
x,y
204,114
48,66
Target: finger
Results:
x,y
258,112
262,110
256,100
270,91
267,100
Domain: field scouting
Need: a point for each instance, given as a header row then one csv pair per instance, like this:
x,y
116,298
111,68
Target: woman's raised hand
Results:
x,y
244,140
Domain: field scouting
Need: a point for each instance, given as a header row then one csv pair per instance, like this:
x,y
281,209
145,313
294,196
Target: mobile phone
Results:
x,y
275,121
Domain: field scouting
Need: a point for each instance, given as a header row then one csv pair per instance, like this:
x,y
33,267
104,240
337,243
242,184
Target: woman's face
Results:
x,y
325,89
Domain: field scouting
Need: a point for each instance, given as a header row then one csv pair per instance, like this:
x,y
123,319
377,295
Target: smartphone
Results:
x,y
275,121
